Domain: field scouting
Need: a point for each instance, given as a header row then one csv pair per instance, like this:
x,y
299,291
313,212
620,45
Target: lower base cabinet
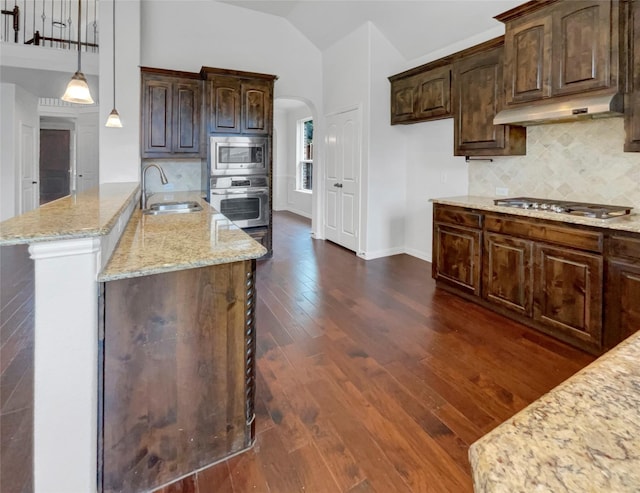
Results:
x,y
507,278
458,257
263,236
623,288
568,297
546,274
178,377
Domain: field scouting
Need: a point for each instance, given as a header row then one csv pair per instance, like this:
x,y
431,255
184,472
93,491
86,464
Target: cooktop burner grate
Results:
x,y
585,209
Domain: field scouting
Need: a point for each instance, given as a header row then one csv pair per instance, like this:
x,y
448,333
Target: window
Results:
x,y
305,153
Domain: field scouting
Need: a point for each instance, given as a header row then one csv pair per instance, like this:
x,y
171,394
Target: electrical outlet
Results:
x,y
443,177
502,191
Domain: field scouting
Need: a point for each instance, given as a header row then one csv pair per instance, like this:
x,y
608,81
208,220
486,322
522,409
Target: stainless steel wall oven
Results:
x,y
243,199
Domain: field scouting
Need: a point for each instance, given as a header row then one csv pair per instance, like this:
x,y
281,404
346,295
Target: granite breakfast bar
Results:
x,y
200,266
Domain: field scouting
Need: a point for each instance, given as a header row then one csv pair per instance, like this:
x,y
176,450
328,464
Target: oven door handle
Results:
x,y
245,191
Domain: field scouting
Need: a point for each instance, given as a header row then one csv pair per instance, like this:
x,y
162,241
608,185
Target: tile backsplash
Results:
x,y
580,161
183,175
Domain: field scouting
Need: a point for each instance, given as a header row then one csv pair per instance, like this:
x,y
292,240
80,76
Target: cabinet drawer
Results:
x,y
623,246
560,235
457,216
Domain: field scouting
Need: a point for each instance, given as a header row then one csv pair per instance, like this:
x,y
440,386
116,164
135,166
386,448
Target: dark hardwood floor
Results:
x,y
16,369
369,379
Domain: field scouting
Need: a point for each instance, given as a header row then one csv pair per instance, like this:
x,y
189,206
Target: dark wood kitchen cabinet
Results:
x,y
568,294
478,97
622,288
421,94
507,277
549,275
171,114
632,98
555,48
238,102
457,246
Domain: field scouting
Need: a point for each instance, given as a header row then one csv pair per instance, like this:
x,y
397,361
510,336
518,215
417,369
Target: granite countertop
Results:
x,y
82,215
583,436
630,223
169,242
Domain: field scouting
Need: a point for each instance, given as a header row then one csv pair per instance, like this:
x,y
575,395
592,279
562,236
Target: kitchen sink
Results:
x,y
173,207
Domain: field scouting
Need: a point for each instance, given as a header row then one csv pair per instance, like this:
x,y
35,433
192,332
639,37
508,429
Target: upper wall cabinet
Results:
x,y
238,102
171,114
560,47
632,101
421,94
478,97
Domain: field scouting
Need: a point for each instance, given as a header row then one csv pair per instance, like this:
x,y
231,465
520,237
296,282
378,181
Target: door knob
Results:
x,y
34,182
339,185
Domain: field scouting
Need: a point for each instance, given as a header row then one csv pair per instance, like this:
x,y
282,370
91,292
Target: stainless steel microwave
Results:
x,y
238,155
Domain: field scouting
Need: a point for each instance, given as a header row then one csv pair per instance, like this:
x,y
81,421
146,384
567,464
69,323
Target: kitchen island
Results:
x,y
582,436
179,347
207,265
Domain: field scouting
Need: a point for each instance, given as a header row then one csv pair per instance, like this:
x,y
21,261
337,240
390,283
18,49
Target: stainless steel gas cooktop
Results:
x,y
584,209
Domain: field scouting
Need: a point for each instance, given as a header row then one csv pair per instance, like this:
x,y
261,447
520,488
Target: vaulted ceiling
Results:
x,y
414,27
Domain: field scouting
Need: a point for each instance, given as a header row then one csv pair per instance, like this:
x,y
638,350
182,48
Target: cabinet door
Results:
x,y
632,103
224,104
187,100
457,257
256,107
527,62
581,46
157,106
568,293
508,273
623,300
433,94
403,100
478,98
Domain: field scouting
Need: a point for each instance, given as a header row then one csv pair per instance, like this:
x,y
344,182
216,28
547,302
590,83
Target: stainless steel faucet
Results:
x,y
143,182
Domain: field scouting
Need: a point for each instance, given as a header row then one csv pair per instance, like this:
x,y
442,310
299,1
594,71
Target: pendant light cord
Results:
x,y
114,54
79,31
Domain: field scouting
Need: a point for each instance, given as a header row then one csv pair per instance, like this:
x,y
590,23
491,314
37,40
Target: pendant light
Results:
x,y
114,118
78,89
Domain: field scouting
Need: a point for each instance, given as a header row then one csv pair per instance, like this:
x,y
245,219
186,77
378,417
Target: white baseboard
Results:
x,y
426,256
380,253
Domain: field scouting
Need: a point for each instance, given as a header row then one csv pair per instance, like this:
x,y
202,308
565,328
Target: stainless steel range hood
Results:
x,y
580,107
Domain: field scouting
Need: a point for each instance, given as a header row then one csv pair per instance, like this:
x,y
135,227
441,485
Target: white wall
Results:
x,y
120,147
286,196
432,171
386,190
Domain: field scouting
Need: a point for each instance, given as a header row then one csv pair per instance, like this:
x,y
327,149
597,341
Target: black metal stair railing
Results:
x,y
51,23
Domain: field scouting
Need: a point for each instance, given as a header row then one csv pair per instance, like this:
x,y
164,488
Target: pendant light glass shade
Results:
x,y
78,90
113,120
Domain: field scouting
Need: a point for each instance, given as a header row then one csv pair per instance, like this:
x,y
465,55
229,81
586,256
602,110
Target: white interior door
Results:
x,y
28,169
87,157
342,182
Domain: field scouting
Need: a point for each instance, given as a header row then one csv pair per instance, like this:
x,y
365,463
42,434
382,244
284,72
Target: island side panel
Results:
x,y
178,373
